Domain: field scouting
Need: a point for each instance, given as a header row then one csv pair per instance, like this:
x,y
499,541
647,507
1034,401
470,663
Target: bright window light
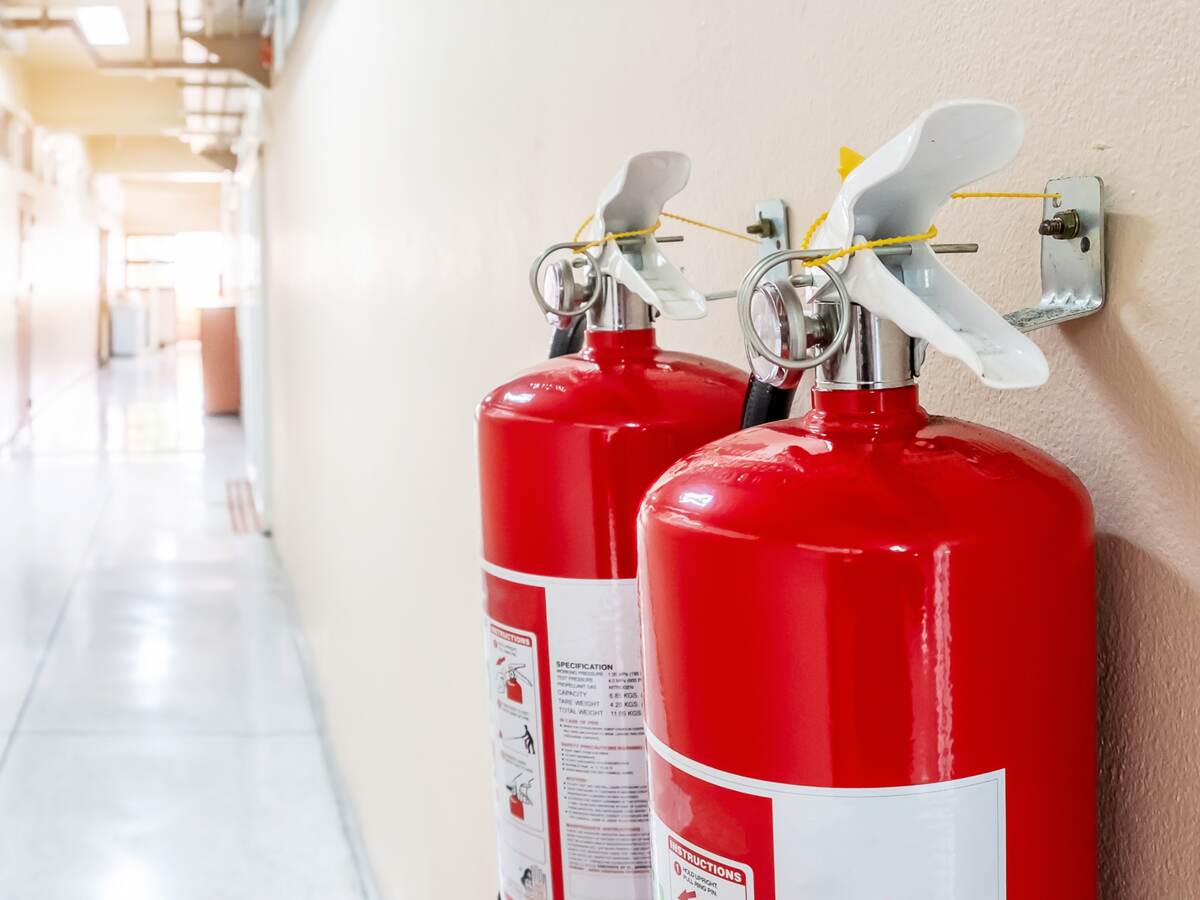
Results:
x,y
103,26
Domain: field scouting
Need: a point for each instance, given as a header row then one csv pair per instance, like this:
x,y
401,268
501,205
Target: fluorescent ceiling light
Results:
x,y
103,26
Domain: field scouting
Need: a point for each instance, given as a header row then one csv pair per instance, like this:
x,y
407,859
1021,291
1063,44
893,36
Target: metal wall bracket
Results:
x,y
1072,257
771,228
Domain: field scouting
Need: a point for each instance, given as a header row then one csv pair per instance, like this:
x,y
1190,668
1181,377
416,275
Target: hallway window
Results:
x,y
150,261
184,270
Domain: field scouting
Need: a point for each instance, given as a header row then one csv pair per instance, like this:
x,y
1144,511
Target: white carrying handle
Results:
x,y
899,189
633,201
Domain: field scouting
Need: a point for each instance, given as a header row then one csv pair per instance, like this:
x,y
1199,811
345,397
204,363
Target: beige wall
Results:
x,y
156,206
422,153
62,261
14,83
66,291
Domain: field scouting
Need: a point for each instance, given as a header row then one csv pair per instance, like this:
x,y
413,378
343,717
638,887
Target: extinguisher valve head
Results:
x,y
633,202
898,190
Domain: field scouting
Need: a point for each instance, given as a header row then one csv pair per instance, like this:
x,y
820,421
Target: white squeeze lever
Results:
x,y
898,190
632,201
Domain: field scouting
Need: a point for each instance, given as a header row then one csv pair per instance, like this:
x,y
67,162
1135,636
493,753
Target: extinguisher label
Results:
x,y
600,797
685,872
517,752
916,842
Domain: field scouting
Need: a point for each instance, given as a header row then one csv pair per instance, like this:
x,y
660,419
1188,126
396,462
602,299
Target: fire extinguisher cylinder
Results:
x,y
567,450
902,605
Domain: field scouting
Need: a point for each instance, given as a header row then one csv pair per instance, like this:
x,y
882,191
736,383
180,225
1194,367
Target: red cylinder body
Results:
x,y
869,649
567,451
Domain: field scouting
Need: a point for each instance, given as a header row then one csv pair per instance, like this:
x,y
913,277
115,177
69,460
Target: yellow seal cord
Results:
x,y
579,231
616,236
871,245
812,229
1003,195
718,230
849,160
907,238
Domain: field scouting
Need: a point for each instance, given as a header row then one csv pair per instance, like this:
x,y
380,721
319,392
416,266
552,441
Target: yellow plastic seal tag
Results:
x,y
848,161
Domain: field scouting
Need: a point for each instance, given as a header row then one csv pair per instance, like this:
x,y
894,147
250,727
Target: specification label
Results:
x,y
596,691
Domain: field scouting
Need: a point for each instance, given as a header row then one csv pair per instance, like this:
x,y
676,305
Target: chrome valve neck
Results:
x,y
618,309
876,355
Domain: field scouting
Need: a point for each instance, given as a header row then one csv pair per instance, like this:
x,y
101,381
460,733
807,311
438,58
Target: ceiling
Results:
x,y
174,25
210,49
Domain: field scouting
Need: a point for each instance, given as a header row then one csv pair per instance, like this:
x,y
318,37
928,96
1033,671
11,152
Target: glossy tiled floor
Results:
x,y
159,742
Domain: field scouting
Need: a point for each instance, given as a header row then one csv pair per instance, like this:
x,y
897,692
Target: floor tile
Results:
x,y
175,660
30,603
157,738
169,818
17,669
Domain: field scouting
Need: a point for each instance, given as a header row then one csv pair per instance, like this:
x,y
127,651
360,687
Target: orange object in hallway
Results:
x,y
219,357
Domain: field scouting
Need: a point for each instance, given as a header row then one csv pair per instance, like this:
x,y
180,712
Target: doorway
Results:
x,y
104,322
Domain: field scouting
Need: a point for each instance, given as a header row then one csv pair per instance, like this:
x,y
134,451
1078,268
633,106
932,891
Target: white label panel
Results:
x,y
942,841
932,842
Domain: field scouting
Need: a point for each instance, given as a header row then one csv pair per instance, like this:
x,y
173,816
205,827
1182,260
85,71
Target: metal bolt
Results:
x,y
1063,227
762,228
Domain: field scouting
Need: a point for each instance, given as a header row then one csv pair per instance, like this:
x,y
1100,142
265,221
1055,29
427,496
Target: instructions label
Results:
x,y
517,756
685,872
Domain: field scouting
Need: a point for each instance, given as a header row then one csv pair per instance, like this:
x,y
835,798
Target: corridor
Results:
x,y
160,739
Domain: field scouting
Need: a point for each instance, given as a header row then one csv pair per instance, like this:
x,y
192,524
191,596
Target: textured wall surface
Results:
x,y
421,154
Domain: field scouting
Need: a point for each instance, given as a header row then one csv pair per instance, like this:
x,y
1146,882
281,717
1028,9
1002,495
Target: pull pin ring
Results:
x,y
746,291
535,276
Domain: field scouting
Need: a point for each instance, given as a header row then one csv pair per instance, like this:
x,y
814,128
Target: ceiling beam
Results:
x,y
145,155
240,52
87,102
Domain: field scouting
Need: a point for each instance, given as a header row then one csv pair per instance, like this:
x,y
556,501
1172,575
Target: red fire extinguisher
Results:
x,y
567,450
868,633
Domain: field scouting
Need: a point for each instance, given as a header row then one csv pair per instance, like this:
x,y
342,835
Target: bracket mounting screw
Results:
x,y
1063,227
762,228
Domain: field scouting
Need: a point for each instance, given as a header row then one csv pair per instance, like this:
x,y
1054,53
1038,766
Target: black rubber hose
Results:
x,y
567,340
765,403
